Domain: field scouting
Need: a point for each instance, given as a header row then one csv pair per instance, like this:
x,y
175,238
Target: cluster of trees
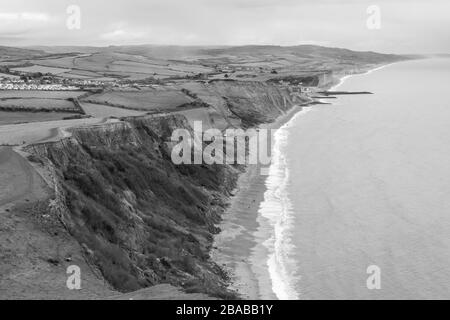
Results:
x,y
26,76
35,76
189,93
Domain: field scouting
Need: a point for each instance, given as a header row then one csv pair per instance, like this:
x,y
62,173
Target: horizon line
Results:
x,y
218,46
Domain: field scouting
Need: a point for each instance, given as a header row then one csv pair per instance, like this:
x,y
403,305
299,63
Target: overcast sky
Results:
x,y
407,26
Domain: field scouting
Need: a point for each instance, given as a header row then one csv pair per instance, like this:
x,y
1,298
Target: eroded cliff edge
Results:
x,y
140,219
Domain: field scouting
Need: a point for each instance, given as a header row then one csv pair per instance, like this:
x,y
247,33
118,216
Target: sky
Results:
x,y
391,26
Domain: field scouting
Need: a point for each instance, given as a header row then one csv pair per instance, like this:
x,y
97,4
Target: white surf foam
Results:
x,y
342,80
277,209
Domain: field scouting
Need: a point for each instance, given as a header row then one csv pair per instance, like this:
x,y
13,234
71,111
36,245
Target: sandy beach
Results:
x,y
238,247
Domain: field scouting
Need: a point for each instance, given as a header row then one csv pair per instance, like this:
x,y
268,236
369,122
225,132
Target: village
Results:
x,y
50,82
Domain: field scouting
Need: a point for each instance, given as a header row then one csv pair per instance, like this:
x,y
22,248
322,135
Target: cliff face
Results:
x,y
141,219
242,103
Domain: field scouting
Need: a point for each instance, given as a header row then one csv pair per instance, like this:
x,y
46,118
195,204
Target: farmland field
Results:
x,y
149,99
33,103
23,117
133,67
64,62
85,73
40,94
187,68
70,75
105,79
42,69
102,111
172,69
10,76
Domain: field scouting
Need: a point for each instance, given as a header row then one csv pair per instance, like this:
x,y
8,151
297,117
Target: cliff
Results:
x,y
140,219
241,103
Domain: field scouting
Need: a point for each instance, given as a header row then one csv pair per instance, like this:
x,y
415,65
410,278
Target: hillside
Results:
x,y
141,62
103,193
180,52
136,217
10,53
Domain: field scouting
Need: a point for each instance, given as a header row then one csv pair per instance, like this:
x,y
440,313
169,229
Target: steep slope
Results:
x,y
138,217
141,219
241,103
35,248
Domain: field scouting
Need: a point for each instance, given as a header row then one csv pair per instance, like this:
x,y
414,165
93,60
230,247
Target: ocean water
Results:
x,y
364,181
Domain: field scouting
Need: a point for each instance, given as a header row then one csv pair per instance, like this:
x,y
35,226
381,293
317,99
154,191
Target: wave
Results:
x,y
342,80
277,209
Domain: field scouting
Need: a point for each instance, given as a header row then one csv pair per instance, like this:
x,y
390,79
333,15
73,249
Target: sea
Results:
x,y
357,204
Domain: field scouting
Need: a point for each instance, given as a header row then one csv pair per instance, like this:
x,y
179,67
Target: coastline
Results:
x,y
234,246
340,79
241,247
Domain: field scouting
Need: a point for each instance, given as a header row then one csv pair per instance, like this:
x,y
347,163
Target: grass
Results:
x,y
40,101
129,66
146,220
144,100
7,117
40,94
102,111
41,69
38,105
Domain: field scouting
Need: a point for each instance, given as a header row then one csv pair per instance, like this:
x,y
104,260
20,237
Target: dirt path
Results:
x,y
35,248
16,177
18,134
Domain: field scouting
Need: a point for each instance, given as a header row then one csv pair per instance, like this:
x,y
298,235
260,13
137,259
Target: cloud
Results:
x,y
17,23
17,17
231,22
122,33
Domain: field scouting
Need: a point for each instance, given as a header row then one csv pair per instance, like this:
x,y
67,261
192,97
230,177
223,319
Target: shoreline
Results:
x,y
240,248
234,245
